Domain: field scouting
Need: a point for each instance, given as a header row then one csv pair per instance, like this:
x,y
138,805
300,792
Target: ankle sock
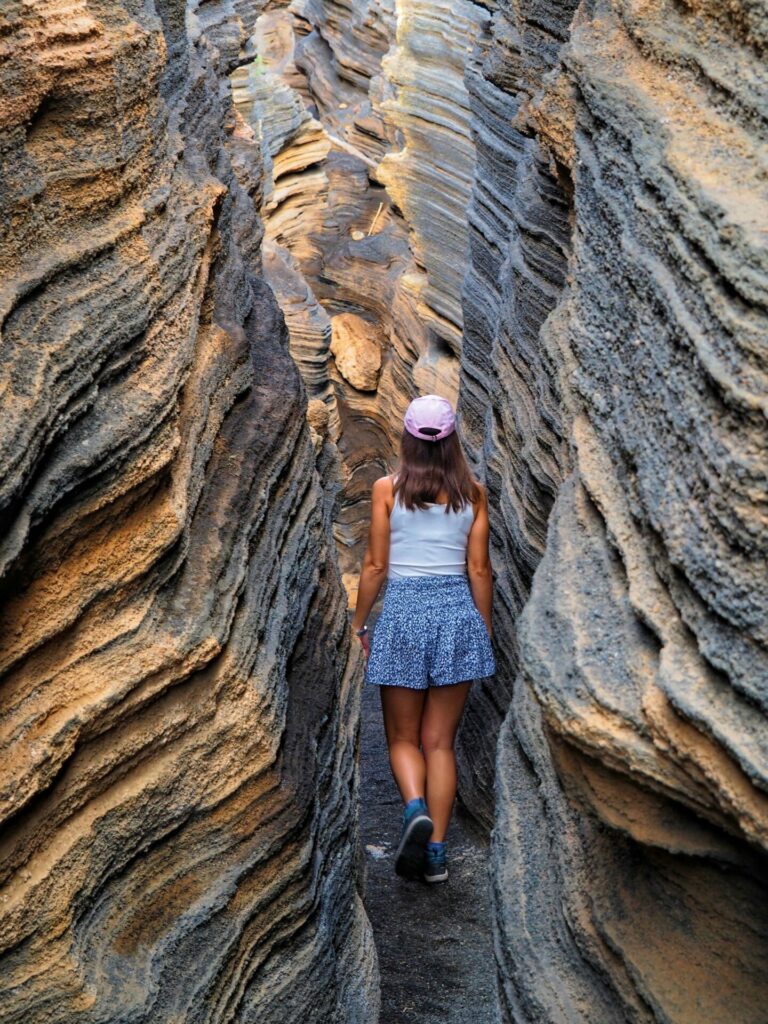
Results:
x,y
418,801
436,847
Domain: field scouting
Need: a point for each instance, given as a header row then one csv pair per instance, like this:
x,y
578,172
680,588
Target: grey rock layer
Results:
x,y
613,383
359,222
606,296
178,695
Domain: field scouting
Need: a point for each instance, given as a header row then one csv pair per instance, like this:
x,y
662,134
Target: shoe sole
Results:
x,y
436,878
409,859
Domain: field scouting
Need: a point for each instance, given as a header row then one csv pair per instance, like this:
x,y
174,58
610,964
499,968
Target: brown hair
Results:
x,y
428,467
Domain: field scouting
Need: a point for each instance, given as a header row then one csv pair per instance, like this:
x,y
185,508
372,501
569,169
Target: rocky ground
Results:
x,y
433,941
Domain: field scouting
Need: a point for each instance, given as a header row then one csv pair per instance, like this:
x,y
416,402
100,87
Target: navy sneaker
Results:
x,y
435,865
417,828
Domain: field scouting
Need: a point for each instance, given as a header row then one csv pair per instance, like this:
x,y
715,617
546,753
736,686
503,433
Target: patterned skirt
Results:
x,y
429,633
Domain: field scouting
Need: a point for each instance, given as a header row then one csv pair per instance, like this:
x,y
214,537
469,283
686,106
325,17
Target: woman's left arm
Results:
x,y
376,559
479,569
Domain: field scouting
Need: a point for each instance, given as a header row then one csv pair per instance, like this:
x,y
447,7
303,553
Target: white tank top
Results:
x,y
429,541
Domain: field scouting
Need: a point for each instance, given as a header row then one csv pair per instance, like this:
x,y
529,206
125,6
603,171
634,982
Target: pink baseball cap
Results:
x,y
430,418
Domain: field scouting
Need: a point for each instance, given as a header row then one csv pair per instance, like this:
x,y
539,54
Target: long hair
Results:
x,y
428,467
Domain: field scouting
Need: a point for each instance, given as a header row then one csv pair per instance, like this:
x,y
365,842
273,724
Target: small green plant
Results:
x,y
258,65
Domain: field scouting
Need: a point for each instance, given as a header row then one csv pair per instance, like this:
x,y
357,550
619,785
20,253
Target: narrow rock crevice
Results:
x,y
545,178
239,237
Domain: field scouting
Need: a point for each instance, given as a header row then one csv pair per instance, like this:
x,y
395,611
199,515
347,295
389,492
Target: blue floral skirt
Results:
x,y
429,633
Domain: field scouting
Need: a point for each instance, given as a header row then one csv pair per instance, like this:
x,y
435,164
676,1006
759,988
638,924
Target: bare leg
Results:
x,y
442,714
402,708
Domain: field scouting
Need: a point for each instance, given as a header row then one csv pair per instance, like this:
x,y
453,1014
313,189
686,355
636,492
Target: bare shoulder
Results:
x,y
482,495
383,488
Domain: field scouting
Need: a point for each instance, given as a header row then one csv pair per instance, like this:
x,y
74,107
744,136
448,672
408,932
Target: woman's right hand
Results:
x,y
365,640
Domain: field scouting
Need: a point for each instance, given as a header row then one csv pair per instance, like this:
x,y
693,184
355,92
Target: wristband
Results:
x,y
361,632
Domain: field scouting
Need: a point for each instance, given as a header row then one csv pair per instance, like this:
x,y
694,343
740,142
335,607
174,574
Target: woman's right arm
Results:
x,y
479,562
376,559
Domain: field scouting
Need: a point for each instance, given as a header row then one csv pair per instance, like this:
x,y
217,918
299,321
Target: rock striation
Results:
x,y
365,223
613,386
573,211
430,176
174,638
519,244
559,207
356,346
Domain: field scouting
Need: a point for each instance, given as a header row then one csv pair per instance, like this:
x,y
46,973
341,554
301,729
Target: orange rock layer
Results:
x,y
177,699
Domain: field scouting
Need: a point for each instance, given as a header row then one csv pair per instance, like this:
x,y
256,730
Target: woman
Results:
x,y
429,539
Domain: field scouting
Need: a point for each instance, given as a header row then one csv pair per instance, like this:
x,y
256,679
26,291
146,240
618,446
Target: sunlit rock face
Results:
x,y
613,385
178,699
364,114
356,346
430,176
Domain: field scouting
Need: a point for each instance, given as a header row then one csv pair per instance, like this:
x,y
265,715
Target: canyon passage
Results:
x,y
238,237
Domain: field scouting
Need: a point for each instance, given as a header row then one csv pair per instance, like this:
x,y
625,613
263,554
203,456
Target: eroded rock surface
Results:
x,y
356,345
568,203
614,387
572,208
363,114
174,636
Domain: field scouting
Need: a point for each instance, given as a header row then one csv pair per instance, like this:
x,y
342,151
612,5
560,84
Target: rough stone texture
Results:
x,y
369,218
613,389
174,634
570,202
519,229
574,207
356,346
430,177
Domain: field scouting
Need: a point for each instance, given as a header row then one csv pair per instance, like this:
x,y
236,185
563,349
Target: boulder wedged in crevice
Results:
x,y
174,632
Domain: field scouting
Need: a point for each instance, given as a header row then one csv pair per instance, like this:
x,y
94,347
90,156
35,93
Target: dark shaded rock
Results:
x,y
510,403
618,377
174,635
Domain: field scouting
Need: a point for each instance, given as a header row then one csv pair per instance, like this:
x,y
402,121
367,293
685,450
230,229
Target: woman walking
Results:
x,y
429,540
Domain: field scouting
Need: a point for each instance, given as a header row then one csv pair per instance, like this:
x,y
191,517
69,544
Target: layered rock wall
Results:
x,y
613,377
178,696
520,220
430,176
572,206
364,115
569,204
